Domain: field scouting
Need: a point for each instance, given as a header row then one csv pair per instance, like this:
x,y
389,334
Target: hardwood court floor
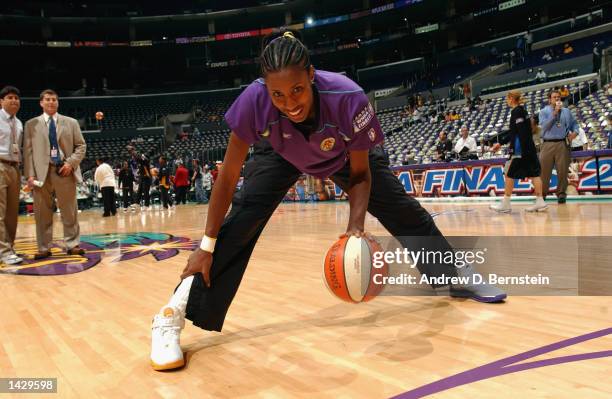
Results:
x,y
285,335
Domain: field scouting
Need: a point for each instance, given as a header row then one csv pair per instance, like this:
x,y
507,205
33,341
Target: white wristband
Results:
x,y
208,244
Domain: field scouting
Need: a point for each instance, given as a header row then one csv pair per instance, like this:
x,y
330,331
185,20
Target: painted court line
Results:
x,y
507,365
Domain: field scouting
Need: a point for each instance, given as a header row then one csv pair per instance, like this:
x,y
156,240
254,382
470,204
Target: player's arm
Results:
x,y
358,191
223,190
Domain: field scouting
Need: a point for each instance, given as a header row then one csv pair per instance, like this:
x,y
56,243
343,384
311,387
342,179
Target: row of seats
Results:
x,y
418,141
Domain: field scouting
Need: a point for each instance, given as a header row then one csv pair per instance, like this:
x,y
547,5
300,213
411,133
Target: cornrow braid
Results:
x,y
282,50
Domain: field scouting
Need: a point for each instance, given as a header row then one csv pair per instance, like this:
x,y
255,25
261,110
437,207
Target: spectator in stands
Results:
x,y
564,93
144,177
455,116
55,163
567,49
596,57
207,182
520,48
181,183
196,181
494,53
105,179
164,181
547,56
467,91
528,42
559,128
573,21
11,136
443,147
416,115
466,146
523,157
126,184
580,142
541,75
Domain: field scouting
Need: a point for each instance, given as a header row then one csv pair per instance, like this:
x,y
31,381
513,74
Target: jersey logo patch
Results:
x,y
287,135
519,120
372,134
363,118
328,144
265,133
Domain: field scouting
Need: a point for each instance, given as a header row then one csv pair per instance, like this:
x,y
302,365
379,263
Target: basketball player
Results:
x,y
523,160
300,121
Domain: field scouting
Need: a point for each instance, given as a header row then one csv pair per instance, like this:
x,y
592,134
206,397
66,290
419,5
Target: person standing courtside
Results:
x,y
105,178
559,128
144,177
11,134
126,184
53,149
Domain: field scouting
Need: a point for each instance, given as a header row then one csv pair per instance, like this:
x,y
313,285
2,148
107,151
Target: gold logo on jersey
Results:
x,y
328,144
265,133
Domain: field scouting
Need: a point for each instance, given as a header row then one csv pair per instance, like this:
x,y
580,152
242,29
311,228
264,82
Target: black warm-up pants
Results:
x,y
268,177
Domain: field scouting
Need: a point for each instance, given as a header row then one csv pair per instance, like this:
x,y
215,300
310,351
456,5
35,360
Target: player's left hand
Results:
x,y
66,169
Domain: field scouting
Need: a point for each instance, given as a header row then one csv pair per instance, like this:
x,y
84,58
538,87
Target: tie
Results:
x,y
14,156
53,142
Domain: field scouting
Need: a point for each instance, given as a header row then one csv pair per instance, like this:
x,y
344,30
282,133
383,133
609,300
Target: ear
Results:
x,y
311,72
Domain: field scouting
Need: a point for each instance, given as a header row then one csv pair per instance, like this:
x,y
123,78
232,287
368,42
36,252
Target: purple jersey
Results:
x,y
346,122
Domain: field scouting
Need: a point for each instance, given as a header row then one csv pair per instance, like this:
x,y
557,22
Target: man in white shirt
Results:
x,y
11,134
105,178
541,75
580,142
466,145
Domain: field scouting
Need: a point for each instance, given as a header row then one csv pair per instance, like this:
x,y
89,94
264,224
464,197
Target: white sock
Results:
x,y
179,299
506,200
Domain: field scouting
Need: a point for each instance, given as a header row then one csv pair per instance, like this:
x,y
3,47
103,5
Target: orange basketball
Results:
x,y
99,115
350,271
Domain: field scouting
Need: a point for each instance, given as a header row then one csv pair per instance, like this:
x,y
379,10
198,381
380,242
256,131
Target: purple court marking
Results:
x,y
507,366
58,264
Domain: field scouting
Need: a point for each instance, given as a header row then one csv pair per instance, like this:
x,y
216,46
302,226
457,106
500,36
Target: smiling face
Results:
x,y
291,92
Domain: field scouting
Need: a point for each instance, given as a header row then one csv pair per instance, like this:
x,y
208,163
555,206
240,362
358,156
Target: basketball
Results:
x,y
99,115
349,272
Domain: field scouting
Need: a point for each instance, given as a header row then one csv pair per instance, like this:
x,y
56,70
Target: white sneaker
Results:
x,y
539,206
12,259
166,352
502,207
143,209
125,210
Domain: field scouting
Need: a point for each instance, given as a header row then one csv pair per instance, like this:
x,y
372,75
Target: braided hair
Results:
x,y
283,49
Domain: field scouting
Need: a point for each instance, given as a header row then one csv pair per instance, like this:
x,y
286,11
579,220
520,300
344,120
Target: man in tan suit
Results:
x,y
11,133
53,149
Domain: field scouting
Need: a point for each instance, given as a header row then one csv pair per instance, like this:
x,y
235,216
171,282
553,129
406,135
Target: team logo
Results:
x,y
328,144
115,247
287,135
265,133
363,118
372,134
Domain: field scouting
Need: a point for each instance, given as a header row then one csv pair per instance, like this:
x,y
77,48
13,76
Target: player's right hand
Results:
x,y
199,262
